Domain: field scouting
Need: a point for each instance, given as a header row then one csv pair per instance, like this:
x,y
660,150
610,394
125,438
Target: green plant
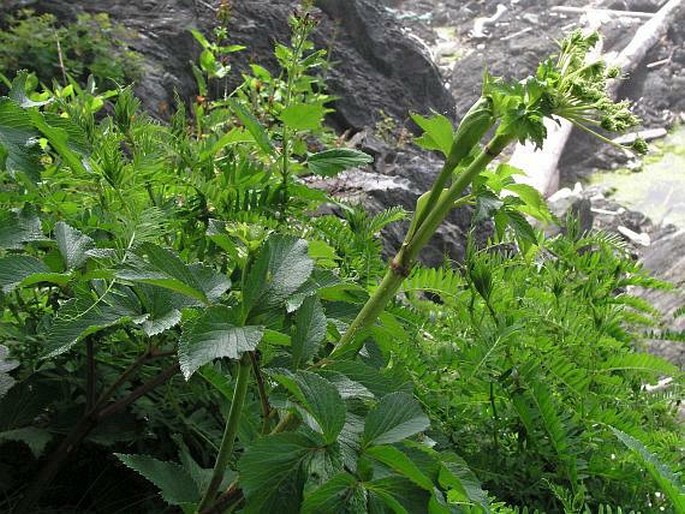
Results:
x,y
565,87
174,276
91,45
525,359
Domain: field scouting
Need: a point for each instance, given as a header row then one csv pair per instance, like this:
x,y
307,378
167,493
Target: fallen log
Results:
x,y
541,166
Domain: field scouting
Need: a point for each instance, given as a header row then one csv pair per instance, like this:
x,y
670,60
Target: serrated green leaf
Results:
x,y
17,92
213,335
162,306
16,268
280,268
253,126
523,230
6,365
310,330
19,148
399,494
176,486
378,383
72,244
152,264
396,417
438,133
319,398
271,467
670,483
65,137
303,116
19,227
461,483
535,204
320,280
342,494
24,402
401,463
35,438
331,162
81,317
346,387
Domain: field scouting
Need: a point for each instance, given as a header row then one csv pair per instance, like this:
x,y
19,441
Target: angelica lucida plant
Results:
x,y
568,86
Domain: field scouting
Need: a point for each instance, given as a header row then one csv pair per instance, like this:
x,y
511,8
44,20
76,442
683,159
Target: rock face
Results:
x,y
666,259
375,67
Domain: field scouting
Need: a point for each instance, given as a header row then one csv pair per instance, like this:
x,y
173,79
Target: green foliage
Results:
x,y
91,45
175,484
522,357
669,482
167,291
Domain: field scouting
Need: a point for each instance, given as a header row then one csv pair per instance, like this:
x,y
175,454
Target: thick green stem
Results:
x,y
226,449
372,308
436,216
401,264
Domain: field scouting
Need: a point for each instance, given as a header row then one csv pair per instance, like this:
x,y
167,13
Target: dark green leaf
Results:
x,y
35,438
310,330
346,387
162,308
396,417
280,268
24,402
342,494
72,244
303,116
19,227
399,494
401,463
460,482
331,162
438,133
81,317
253,126
19,148
378,383
213,335
270,468
319,398
176,486
152,264
15,268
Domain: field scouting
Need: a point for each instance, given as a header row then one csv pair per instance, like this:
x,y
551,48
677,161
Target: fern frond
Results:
x,y
670,483
608,509
442,281
385,217
641,362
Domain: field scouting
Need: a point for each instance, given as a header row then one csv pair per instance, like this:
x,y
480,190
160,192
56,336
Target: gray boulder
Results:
x,y
375,67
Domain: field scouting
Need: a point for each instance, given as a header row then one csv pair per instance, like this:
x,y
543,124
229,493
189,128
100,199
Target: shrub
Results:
x,y
91,45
